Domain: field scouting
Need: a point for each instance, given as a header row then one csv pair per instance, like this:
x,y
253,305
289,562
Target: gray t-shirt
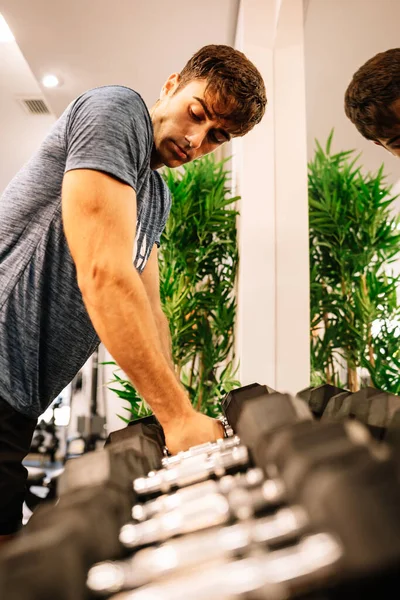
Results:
x,y
45,332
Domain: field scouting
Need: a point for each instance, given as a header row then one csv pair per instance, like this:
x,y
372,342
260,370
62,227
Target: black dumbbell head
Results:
x,y
266,414
318,397
360,504
334,405
233,402
51,563
146,435
115,466
107,509
304,448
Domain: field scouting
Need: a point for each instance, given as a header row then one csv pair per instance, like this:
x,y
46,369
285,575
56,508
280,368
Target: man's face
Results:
x,y
184,127
392,142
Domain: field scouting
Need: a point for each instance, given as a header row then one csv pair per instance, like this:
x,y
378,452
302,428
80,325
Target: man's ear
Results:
x,y
170,85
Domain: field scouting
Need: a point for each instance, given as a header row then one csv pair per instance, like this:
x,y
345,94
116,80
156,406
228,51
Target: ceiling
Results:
x,y
130,42
87,43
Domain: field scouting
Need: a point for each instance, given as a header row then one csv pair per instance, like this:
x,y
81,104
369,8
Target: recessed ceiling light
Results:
x,y
5,32
50,81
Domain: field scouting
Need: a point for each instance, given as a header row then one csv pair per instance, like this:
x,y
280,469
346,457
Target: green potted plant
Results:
x,y
354,238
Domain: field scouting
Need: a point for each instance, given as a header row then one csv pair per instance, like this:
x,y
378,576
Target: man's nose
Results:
x,y
195,139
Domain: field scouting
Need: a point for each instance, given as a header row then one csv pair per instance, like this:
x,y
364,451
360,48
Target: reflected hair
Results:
x,y
370,97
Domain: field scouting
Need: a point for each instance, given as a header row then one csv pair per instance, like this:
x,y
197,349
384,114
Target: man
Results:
x,y
71,221
372,100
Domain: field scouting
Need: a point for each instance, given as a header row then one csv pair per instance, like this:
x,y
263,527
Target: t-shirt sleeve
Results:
x,y
167,201
108,130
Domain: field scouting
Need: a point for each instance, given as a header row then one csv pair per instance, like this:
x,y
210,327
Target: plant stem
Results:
x,y
192,371
352,379
326,325
201,373
369,331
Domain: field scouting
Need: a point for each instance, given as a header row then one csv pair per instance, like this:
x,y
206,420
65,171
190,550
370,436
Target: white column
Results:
x,y
271,169
254,169
291,198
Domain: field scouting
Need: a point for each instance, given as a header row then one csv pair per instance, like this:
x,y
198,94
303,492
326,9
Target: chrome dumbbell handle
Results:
x,y
202,512
274,575
209,511
207,449
192,470
244,502
252,478
195,550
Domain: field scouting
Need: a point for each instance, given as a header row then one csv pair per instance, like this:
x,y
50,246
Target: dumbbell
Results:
x,y
234,401
207,449
147,436
295,454
98,478
356,405
304,453
267,576
179,513
196,550
392,436
344,449
334,405
327,468
320,396
371,406
193,470
252,415
96,498
356,549
162,504
53,561
202,512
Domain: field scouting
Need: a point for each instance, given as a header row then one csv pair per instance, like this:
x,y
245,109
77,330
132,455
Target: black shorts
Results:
x,y
16,432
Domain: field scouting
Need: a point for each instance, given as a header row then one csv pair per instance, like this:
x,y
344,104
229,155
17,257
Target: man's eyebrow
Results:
x,y
210,116
394,139
205,108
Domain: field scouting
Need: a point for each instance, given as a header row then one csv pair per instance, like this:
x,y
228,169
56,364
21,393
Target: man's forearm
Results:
x,y
165,337
121,314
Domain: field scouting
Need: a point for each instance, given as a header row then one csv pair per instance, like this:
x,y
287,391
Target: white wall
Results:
x,y
340,36
20,133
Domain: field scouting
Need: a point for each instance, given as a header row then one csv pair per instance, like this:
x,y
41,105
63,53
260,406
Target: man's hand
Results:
x,y
195,429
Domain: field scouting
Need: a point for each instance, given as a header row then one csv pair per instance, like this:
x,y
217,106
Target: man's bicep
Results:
x,y
99,218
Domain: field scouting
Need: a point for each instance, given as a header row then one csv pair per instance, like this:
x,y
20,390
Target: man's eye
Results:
x,y
217,139
195,116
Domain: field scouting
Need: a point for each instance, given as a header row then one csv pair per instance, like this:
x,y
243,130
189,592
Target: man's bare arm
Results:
x,y
99,216
151,281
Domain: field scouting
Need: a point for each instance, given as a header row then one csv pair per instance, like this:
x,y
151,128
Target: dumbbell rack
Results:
x,y
235,535
273,511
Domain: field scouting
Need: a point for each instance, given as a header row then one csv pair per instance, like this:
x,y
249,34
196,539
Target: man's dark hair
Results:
x,y
235,90
371,94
